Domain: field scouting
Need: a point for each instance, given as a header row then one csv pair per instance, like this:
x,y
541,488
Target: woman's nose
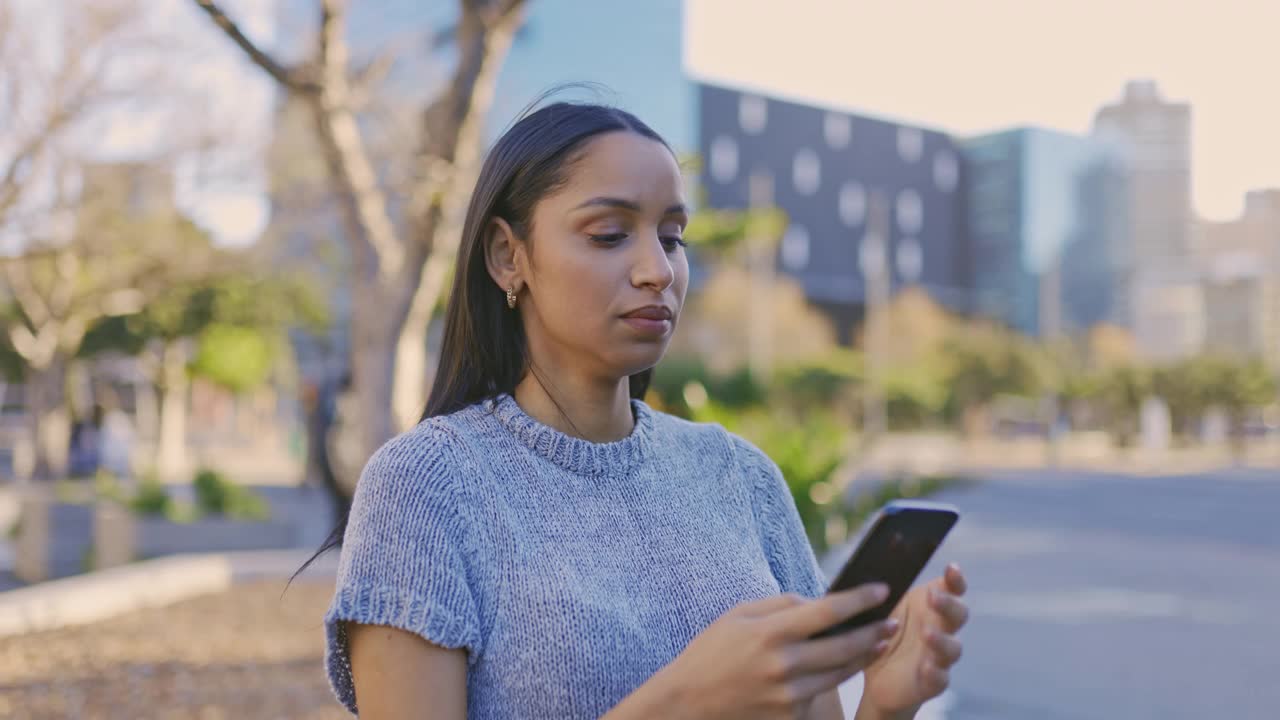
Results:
x,y
653,266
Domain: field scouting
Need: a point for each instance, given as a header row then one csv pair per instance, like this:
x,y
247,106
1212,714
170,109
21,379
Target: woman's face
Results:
x,y
608,274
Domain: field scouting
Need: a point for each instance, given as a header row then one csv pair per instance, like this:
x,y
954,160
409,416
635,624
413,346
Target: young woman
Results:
x,y
545,545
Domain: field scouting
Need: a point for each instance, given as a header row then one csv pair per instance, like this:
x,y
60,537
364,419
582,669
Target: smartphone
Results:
x,y
902,538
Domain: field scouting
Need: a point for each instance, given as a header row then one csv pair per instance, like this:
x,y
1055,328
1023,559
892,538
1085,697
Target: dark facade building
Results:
x,y
823,168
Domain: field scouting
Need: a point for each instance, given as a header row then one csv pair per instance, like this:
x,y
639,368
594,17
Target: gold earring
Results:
x,y
511,298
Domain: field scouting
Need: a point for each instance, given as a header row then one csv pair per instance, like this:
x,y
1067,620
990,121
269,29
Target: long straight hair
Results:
x,y
484,351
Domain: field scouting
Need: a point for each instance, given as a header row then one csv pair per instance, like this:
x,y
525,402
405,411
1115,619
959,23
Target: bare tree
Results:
x,y
111,264
66,259
399,267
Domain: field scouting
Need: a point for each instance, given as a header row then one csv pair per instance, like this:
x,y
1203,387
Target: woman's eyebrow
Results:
x,y
627,205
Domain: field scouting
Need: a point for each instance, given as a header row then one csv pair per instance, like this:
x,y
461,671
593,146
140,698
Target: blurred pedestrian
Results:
x,y
85,455
115,438
543,543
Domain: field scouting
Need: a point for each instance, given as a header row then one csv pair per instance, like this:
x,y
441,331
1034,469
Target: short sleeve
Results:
x,y
787,547
406,561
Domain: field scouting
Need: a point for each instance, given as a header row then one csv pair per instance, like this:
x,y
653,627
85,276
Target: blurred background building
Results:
x,y
1166,310
823,165
1047,222
1044,231
1239,262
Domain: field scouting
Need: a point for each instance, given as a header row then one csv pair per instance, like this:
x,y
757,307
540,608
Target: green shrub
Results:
x,y
738,389
151,498
670,379
107,487
915,396
211,492
182,512
219,496
819,383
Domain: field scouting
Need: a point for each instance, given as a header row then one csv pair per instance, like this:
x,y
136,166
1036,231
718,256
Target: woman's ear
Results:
x,y
502,254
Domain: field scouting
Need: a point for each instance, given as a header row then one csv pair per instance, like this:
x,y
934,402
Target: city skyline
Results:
x,y
1233,149
973,68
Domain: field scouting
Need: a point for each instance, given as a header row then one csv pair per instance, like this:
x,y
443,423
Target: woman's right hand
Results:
x,y
756,662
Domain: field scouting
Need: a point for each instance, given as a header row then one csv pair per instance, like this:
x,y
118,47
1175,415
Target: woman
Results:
x,y
545,545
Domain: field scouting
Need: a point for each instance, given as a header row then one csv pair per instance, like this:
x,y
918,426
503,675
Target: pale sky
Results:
x,y
978,65
211,90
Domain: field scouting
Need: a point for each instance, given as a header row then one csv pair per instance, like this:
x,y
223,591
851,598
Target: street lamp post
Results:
x,y
1051,333
761,267
873,261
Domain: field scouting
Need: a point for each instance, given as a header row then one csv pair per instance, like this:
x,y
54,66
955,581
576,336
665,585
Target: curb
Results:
x,y
100,595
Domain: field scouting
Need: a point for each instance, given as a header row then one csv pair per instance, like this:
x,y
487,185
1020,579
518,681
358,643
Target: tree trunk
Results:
x,y
49,424
1236,438
409,385
171,444
373,345
398,276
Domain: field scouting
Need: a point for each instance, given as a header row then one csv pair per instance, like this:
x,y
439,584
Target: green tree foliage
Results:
x,y
238,320
982,363
717,234
1122,390
11,363
829,381
237,358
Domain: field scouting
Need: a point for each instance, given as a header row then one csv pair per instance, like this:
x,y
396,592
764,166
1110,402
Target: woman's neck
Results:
x,y
592,412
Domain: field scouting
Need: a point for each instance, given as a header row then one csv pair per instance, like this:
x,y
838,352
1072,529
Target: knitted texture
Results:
x,y
570,571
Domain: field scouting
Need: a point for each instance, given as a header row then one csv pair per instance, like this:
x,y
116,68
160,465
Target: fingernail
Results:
x,y
881,592
891,625
881,646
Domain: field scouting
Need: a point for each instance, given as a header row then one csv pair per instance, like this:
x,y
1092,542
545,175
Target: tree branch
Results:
x,y
451,139
38,348
369,77
67,106
33,305
345,148
291,78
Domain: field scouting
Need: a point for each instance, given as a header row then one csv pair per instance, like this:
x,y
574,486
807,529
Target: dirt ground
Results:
x,y
247,653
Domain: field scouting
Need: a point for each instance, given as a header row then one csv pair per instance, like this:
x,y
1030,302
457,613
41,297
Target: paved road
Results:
x,y
1095,598
1103,596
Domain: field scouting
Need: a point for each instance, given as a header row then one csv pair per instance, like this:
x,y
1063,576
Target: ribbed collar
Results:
x,y
576,454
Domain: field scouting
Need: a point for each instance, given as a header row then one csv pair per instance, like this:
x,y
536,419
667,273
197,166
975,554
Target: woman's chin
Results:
x,y
641,359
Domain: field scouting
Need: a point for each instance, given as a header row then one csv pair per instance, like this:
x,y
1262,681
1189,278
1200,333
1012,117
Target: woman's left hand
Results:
x,y
916,666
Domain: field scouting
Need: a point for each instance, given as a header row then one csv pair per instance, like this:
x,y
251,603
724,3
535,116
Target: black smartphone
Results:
x,y
902,538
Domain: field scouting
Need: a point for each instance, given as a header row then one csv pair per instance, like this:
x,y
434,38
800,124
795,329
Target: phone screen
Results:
x,y
894,551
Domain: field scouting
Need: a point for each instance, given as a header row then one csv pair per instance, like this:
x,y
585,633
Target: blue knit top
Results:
x,y
571,571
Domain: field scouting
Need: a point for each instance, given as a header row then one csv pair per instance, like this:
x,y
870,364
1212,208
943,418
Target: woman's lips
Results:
x,y
648,326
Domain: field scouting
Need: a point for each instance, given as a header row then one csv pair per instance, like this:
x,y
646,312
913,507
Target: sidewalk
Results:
x,y
946,453
99,595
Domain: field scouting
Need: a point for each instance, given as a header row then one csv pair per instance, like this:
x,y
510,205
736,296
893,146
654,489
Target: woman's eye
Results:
x,y
671,242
